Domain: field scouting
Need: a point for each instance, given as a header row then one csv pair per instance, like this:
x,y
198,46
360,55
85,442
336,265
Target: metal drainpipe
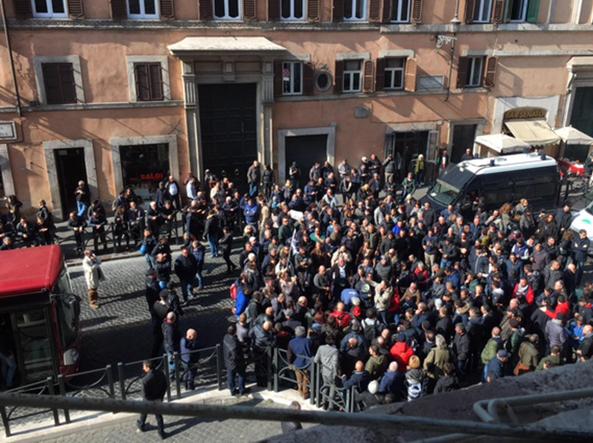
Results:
x,y
19,110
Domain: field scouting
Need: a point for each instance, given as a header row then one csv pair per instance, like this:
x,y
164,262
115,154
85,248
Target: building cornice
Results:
x,y
142,25
95,106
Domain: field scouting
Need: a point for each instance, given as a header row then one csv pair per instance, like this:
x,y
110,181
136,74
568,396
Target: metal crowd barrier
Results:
x,y
121,382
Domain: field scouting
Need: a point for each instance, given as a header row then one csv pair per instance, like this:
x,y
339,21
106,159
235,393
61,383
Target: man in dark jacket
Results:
x,y
234,361
254,178
300,353
185,268
262,337
154,386
189,357
171,340
461,349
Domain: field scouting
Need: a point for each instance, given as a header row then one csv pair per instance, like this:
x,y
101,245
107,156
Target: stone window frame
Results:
x,y
38,62
117,142
131,60
6,171
144,16
50,15
282,134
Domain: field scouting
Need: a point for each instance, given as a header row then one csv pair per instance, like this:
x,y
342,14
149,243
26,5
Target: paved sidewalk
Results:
x,y
91,427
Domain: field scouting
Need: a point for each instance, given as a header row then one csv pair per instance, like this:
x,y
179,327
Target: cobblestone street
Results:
x,y
120,329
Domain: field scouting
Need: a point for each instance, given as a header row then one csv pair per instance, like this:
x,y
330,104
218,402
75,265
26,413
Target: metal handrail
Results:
x,y
488,410
368,421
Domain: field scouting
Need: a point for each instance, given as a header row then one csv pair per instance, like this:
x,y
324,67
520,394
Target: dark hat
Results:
x,y
401,337
561,317
502,354
514,323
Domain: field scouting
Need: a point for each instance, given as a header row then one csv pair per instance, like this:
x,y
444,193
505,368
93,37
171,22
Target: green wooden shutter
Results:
x,y
67,85
533,11
142,82
380,74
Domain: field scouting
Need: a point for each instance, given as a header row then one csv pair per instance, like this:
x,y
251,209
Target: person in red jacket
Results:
x,y
524,292
562,308
342,317
401,352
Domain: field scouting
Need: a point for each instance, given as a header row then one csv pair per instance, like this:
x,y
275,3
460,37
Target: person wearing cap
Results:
x,y
497,368
300,353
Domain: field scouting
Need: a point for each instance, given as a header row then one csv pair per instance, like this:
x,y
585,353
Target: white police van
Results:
x,y
497,180
584,221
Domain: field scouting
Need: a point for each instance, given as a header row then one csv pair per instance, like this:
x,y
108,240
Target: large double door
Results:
x,y
228,129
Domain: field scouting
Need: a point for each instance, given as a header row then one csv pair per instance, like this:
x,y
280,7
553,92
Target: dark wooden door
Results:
x,y
228,129
463,138
305,150
70,168
408,145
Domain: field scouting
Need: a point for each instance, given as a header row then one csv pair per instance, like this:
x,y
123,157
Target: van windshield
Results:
x,y
443,193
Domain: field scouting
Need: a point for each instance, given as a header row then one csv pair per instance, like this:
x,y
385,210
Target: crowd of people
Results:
x,y
344,267
396,298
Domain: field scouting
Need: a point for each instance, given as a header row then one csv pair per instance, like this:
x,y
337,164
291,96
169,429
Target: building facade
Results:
x,y
121,92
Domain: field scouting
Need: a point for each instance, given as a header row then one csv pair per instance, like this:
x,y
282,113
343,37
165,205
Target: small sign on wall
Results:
x,y
7,131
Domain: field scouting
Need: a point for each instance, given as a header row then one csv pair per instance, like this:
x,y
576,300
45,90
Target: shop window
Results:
x,y
149,81
401,11
59,84
291,10
227,9
394,73
143,9
355,10
352,76
144,166
292,78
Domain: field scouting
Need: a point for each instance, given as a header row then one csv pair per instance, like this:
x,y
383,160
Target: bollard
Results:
x,y
168,375
51,391
122,380
62,386
219,360
5,421
177,374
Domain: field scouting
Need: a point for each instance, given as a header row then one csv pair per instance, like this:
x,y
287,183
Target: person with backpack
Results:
x,y
415,379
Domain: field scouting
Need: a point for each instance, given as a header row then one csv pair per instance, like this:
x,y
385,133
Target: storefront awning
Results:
x,y
225,45
572,136
502,143
534,132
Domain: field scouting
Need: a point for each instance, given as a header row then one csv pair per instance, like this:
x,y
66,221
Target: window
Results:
x,y
518,10
227,9
49,8
292,78
352,76
475,71
293,9
355,10
401,11
149,81
482,11
323,81
394,73
58,81
143,9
